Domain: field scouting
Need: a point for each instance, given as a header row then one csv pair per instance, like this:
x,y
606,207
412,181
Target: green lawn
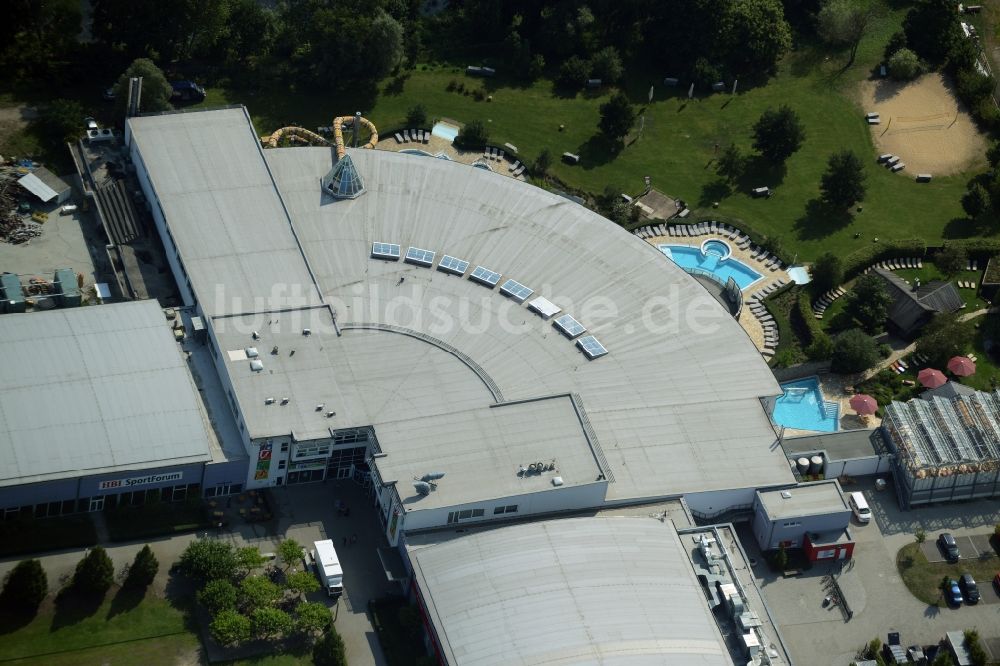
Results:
x,y
923,578
678,143
71,627
164,650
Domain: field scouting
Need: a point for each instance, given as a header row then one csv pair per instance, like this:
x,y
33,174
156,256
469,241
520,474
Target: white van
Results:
x,y
860,507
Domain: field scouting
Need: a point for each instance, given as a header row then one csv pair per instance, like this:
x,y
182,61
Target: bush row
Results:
x,y
29,535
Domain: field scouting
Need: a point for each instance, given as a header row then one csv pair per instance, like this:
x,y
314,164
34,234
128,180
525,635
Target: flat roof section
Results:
x,y
805,500
842,445
481,452
574,590
92,390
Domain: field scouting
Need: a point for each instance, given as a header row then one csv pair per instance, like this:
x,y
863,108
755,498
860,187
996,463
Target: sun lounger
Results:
x,y
898,167
521,169
399,139
406,136
418,134
427,136
514,166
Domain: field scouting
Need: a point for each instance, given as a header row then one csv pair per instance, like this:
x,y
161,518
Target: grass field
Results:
x,y
923,578
677,146
122,626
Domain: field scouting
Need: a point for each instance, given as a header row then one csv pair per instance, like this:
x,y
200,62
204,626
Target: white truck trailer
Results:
x,y
328,568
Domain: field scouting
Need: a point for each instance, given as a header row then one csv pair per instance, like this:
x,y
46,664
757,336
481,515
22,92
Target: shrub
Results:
x,y
416,116
542,162
904,65
868,303
606,65
574,72
896,42
952,259
862,258
217,596
473,136
479,94
920,535
258,592
943,337
329,650
144,568
827,272
312,617
230,628
853,351
290,552
270,622
209,559
704,73
25,586
94,573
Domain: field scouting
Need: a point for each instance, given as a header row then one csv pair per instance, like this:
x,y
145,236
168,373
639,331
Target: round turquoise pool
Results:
x,y
716,247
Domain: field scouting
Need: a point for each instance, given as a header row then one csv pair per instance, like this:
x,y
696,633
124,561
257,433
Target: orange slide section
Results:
x,y
303,135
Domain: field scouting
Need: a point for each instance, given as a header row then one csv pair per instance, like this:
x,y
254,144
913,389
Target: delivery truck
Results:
x,y
328,568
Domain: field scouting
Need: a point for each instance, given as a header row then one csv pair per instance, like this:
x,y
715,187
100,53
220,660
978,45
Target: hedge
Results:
x,y
22,536
812,324
862,258
977,247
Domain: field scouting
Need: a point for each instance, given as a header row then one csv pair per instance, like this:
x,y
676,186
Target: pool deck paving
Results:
x,y
437,145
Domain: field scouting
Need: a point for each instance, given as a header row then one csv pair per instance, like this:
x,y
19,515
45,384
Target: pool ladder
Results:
x,y
831,410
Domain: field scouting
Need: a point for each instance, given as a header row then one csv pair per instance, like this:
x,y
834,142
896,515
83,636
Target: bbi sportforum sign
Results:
x,y
134,481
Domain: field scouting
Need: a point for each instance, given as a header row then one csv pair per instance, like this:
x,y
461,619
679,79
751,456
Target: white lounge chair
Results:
x,y
406,136
399,139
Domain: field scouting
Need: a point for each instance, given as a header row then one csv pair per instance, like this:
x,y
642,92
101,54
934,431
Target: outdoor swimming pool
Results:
x,y
711,261
446,131
802,406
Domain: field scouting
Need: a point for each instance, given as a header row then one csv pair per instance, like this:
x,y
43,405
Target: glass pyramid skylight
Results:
x,y
344,181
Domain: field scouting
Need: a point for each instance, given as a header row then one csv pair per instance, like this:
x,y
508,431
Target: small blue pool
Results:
x,y
446,131
711,258
802,406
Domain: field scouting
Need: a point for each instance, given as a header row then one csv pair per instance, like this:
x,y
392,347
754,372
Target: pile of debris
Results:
x,y
15,227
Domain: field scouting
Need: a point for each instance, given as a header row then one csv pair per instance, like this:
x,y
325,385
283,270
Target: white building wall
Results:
x,y
718,501
547,501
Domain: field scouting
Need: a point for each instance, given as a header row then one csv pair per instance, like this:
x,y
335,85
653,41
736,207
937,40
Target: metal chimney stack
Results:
x,y
134,96
357,127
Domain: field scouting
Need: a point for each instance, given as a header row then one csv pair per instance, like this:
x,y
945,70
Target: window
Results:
x,y
41,510
311,450
465,514
505,509
209,492
793,523
477,513
281,464
284,447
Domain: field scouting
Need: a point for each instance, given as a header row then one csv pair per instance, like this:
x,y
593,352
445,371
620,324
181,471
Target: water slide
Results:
x,y
302,135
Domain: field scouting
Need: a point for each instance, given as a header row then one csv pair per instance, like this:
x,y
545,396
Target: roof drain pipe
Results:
x,y
336,328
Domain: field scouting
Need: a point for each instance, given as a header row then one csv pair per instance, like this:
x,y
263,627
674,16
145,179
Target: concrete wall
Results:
x,y
856,467
548,501
771,534
229,472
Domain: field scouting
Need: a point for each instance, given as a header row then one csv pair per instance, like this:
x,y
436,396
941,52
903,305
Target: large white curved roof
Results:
x,y
675,405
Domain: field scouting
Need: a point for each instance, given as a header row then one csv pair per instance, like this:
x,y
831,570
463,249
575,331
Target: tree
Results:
x,y
217,596
821,347
868,303
778,133
943,337
329,650
302,582
258,592
932,29
826,272
270,622
853,351
248,558
977,201
144,568
574,72
230,628
732,164
951,259
920,535
94,573
617,116
290,552
751,35
781,558
896,42
976,650
416,116
25,587
905,65
844,23
384,45
606,65
943,658
156,91
35,35
843,184
209,559
542,162
311,618
473,136
63,120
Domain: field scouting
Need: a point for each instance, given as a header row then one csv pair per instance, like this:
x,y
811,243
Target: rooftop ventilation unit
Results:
x,y
256,365
330,415
306,331
422,487
255,335
251,352
320,406
268,401
786,495
545,308
284,401
557,481
432,476
343,181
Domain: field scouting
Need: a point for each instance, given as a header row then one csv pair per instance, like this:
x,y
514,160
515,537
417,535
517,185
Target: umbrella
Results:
x,y
931,378
961,366
864,404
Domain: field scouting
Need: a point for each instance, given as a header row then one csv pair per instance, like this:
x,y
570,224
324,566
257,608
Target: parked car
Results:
x,y
187,91
953,593
949,547
969,588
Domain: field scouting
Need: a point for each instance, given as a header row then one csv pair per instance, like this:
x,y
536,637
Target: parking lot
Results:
x,y
872,585
971,546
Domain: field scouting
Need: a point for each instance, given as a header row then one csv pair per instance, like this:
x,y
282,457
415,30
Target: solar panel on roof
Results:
x,y
516,290
450,264
385,251
415,255
591,347
485,276
569,326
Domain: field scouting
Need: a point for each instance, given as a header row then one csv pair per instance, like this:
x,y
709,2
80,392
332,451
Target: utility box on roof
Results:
x,y
66,290
13,294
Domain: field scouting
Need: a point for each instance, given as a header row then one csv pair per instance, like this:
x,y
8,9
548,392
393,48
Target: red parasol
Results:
x,y
931,378
864,404
961,366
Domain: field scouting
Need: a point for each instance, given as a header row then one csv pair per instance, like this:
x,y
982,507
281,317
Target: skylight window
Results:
x,y
450,264
415,255
485,276
569,326
591,347
388,251
516,290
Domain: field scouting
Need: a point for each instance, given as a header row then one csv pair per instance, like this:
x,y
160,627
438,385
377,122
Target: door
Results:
x,y
97,504
842,554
